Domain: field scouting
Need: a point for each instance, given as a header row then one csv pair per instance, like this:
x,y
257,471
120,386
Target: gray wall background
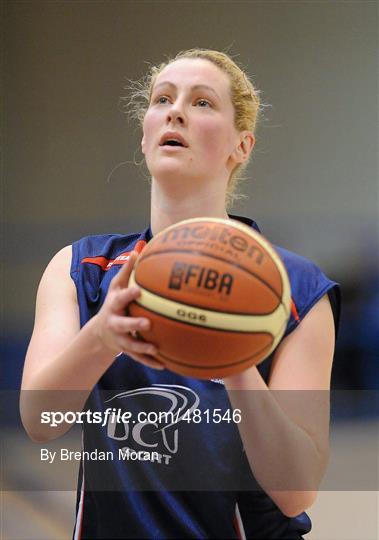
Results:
x,y
313,180
313,184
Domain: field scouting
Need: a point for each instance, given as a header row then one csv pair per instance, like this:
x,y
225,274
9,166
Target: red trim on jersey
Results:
x,y
106,264
294,311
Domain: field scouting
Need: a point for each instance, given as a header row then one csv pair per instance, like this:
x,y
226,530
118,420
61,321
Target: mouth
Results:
x,y
172,143
173,140
170,148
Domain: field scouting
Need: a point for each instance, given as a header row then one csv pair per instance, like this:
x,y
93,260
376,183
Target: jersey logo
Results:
x,y
105,264
167,404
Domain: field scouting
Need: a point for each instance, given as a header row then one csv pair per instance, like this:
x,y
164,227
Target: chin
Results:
x,y
170,172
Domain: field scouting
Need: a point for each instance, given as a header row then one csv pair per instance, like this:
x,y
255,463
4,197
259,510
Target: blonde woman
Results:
x,y
185,479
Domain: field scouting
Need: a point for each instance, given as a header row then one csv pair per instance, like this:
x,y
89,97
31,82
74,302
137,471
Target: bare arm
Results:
x,y
285,425
64,362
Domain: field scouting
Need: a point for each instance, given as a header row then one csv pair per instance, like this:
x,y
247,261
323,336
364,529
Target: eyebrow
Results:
x,y
195,87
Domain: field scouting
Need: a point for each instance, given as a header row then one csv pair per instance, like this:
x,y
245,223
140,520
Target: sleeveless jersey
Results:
x,y
186,477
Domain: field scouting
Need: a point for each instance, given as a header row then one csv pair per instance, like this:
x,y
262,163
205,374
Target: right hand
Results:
x,y
116,330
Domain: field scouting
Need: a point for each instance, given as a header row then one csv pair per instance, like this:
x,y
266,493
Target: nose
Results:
x,y
175,114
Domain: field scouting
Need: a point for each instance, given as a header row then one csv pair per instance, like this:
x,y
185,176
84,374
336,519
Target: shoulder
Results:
x,y
305,276
55,281
60,262
308,285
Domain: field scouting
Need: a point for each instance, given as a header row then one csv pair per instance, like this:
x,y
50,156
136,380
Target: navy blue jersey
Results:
x,y
176,478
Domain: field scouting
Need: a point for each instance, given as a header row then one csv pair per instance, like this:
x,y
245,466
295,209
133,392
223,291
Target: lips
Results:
x,y
173,138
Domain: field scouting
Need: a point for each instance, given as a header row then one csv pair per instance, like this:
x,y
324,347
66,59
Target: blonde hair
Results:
x,y
244,96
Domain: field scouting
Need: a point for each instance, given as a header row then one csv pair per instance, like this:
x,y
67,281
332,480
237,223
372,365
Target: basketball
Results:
x,y
216,293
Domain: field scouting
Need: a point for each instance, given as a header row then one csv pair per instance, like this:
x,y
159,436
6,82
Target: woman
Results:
x,y
198,125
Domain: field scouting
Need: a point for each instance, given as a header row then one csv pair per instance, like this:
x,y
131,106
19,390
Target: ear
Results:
x,y
244,147
143,144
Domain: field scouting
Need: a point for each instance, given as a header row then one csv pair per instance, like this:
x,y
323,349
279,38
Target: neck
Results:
x,y
170,203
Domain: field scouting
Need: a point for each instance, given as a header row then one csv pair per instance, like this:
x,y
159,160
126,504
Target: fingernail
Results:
x,y
144,324
152,350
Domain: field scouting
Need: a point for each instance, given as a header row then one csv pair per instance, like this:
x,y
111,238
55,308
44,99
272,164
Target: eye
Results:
x,y
203,103
162,100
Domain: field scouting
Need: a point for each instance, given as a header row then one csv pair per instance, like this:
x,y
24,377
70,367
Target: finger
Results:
x,y
132,345
122,298
124,325
147,361
121,279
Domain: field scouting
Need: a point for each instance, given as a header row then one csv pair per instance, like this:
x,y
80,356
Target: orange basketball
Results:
x,y
216,293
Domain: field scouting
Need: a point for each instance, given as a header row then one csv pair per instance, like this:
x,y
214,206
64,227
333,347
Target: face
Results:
x,y
190,103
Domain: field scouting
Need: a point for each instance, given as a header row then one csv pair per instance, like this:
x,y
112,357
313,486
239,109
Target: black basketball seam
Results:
x,y
219,259
206,308
203,308
213,366
199,325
